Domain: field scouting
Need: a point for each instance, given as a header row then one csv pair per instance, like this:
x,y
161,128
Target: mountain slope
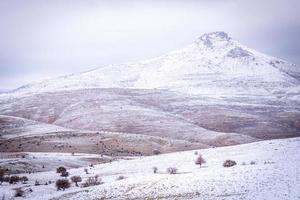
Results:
x,y
215,91
214,64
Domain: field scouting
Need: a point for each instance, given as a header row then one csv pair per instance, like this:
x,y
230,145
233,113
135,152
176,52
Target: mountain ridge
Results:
x,y
214,56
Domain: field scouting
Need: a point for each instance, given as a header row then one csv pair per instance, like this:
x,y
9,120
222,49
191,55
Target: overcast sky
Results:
x,y
47,38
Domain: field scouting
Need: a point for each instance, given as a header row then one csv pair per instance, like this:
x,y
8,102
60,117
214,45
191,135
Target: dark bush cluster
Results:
x,y
229,163
14,179
61,169
62,184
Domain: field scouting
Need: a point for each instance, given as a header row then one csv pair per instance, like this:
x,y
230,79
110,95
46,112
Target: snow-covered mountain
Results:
x,y
214,64
215,92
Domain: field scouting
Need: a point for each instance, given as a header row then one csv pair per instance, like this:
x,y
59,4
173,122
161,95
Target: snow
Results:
x,y
275,175
214,65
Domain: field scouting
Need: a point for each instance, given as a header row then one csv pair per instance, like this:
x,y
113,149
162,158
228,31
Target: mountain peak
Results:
x,y
213,38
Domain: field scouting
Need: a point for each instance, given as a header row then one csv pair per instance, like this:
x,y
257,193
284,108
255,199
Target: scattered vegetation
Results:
x,y
229,163
62,184
172,170
200,160
76,179
91,181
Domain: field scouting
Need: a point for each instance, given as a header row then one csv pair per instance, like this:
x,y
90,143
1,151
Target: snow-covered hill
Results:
x,y
215,91
265,170
214,64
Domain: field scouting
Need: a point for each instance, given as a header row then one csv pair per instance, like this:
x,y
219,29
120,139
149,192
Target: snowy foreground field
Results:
x,y
264,170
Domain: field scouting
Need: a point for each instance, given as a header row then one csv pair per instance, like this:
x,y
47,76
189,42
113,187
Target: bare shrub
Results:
x,y
14,179
76,179
61,169
24,179
91,181
154,169
200,160
36,183
19,192
252,163
172,170
156,152
229,163
64,174
62,184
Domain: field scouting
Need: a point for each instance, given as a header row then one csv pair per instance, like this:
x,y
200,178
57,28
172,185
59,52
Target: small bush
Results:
x,y
243,163
61,169
36,183
64,174
252,163
172,170
76,179
229,163
156,152
19,192
24,179
200,160
91,181
14,179
62,184
86,171
154,169
196,153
